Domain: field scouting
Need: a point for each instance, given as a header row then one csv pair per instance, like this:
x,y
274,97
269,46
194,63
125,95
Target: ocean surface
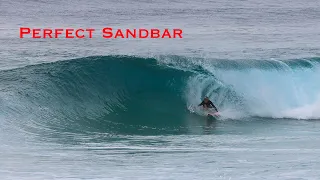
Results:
x,y
127,108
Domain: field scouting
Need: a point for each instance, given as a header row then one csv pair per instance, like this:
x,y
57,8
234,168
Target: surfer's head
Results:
x,y
206,99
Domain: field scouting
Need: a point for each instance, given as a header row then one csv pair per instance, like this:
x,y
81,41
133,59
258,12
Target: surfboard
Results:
x,y
207,112
216,114
213,114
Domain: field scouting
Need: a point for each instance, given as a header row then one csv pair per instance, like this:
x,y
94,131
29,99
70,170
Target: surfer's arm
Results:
x,y
201,103
214,106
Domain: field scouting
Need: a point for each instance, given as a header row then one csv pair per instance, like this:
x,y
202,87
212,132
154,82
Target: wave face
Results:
x,y
113,93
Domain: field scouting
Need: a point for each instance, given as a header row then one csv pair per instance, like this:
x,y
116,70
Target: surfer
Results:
x,y
206,103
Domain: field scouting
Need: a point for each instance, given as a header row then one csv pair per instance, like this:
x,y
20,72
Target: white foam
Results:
x,y
308,111
280,92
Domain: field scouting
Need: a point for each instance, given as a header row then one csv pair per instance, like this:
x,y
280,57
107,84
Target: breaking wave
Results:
x,y
99,93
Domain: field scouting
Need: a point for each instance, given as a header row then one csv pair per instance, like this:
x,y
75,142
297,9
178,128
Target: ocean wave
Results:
x,y
98,93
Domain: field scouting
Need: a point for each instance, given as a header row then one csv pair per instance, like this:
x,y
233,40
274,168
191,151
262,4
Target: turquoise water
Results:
x,y
127,109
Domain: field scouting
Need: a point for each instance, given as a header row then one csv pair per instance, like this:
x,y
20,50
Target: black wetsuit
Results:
x,y
208,104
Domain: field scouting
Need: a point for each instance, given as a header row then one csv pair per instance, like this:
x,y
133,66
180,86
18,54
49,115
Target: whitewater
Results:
x,y
128,108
